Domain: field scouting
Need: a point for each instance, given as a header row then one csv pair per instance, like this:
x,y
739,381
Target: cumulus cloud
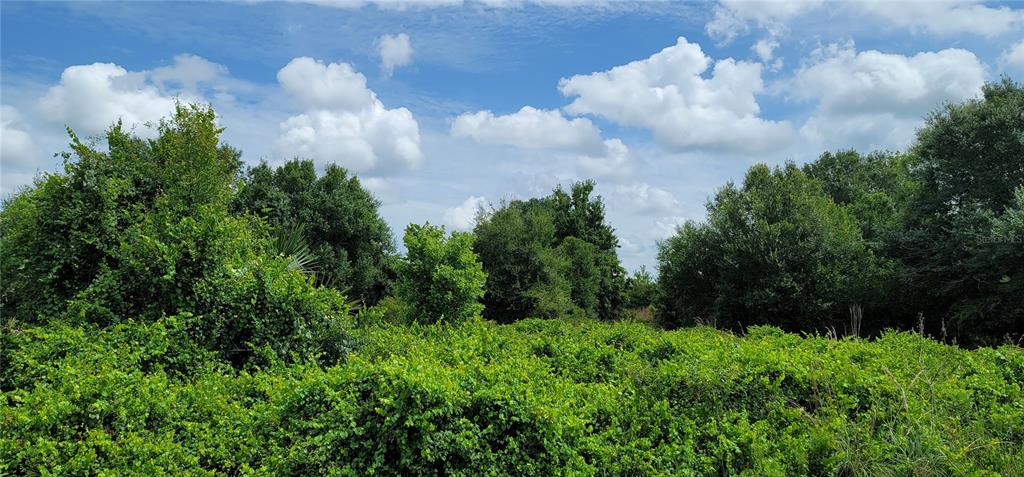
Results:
x,y
395,51
876,99
334,86
343,121
645,199
188,71
1015,55
89,98
613,163
463,216
17,149
531,128
669,94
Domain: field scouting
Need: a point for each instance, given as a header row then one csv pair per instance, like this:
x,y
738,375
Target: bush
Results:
x,y
142,232
540,397
440,278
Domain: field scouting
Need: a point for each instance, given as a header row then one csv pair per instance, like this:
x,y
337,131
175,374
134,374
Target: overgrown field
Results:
x,y
538,397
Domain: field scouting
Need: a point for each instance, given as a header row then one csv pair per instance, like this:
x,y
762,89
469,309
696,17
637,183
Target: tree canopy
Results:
x,y
350,244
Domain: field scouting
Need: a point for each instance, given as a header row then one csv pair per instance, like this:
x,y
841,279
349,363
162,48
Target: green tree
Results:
x,y
350,245
142,231
440,278
550,256
775,251
641,290
969,162
876,190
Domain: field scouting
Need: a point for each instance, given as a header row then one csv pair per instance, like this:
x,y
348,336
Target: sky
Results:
x,y
443,106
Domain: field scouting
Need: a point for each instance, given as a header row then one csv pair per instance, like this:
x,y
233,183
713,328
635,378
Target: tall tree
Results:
x,y
969,161
351,245
440,277
551,256
775,251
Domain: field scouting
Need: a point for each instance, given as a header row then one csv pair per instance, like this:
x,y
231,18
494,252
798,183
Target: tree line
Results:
x,y
277,258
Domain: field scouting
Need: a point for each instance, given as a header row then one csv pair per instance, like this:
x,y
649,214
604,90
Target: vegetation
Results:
x,y
164,313
142,232
550,257
350,245
931,236
540,397
440,279
776,251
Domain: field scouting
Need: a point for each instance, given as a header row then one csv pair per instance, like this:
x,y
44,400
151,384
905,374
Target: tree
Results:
x,y
440,278
875,189
775,251
969,161
142,231
641,290
350,245
549,257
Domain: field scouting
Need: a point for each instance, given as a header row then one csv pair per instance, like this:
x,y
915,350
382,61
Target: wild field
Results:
x,y
538,397
166,311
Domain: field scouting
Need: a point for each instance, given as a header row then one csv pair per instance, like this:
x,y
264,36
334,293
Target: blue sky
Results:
x,y
441,106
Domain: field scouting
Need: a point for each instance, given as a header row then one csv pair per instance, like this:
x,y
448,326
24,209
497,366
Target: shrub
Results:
x,y
440,278
540,397
141,232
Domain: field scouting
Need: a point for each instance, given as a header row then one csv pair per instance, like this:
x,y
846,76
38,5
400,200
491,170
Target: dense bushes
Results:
x,y
550,257
350,244
540,397
142,231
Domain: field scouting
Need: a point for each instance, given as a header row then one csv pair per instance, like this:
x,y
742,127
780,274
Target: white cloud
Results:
x,y
344,122
666,227
17,149
383,190
316,85
765,49
89,98
668,94
188,71
734,17
614,163
531,128
875,99
946,18
463,216
395,50
1015,55
645,199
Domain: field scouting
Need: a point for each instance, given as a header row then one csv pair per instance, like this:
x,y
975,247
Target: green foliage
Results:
x,y
348,241
142,232
775,251
540,397
969,162
441,279
550,257
641,290
61,234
